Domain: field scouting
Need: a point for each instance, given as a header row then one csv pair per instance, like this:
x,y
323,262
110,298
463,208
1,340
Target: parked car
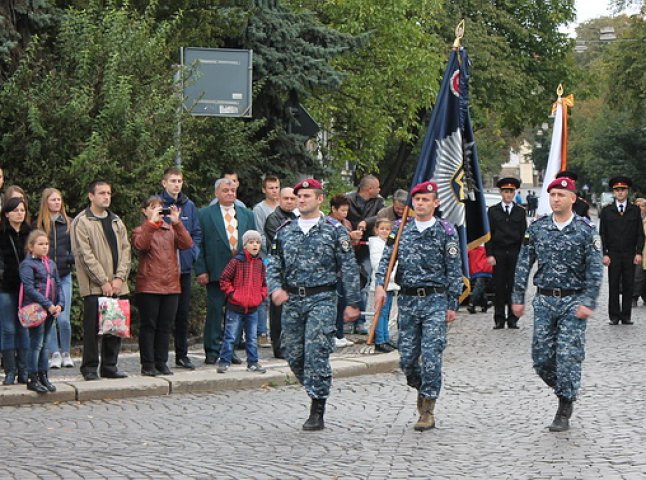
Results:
x,y
605,198
491,198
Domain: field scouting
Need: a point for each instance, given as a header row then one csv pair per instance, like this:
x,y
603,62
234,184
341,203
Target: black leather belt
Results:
x,y
307,291
421,291
557,292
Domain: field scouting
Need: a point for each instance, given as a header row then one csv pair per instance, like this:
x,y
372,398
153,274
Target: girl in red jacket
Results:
x,y
243,282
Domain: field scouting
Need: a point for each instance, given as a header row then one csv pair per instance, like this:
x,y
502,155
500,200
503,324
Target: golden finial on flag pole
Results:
x,y
559,90
459,33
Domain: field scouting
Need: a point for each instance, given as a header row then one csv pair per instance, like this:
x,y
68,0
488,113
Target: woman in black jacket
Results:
x,y
15,338
53,220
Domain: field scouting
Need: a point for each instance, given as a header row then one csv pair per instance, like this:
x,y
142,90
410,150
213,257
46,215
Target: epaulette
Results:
x,y
333,221
449,229
541,217
585,220
284,224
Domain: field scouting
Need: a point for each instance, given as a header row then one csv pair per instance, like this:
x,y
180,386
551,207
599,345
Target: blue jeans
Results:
x,y
262,317
381,332
37,358
62,323
234,321
14,335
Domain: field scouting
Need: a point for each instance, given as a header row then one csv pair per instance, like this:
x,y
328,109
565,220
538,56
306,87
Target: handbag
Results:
x,y
114,317
33,314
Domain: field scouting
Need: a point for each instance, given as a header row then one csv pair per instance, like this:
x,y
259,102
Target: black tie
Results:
x,y
621,209
507,209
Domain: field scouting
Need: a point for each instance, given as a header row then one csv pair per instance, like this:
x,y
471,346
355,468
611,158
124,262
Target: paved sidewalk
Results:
x,y
358,359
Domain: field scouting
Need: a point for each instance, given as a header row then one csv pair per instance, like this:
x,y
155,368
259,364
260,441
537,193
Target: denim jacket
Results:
x,y
34,274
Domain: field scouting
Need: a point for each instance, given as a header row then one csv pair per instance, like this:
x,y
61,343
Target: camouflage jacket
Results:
x,y
313,260
567,259
428,258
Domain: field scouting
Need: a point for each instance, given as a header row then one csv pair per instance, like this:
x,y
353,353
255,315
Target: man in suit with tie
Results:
x,y
223,225
508,222
622,236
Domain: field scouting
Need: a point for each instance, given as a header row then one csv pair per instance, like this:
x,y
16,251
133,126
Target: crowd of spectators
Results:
x,y
174,242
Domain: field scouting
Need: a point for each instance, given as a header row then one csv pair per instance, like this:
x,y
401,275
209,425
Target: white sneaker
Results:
x,y
342,342
67,360
55,361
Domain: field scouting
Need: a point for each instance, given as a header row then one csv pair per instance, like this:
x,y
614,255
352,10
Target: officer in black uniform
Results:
x,y
508,222
622,236
581,206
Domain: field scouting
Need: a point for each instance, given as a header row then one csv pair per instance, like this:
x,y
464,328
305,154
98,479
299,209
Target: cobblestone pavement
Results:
x,y
491,416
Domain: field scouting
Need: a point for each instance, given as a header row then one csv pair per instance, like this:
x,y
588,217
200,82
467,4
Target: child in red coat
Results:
x,y
480,272
243,282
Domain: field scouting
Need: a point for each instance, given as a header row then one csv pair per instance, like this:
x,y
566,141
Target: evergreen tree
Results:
x,y
19,20
292,54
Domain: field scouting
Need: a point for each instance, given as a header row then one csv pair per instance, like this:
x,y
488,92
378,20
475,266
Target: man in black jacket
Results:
x,y
508,222
283,212
622,236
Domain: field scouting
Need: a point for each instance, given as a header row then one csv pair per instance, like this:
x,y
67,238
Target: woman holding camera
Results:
x,y
158,281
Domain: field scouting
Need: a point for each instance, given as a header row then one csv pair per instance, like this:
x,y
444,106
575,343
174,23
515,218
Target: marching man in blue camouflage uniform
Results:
x,y
306,256
430,275
568,250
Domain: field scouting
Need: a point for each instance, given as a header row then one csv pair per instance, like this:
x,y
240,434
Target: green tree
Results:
x,y
100,104
19,20
292,59
609,125
379,114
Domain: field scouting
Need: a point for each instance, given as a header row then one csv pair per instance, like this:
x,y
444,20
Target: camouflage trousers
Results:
x,y
422,339
558,346
307,339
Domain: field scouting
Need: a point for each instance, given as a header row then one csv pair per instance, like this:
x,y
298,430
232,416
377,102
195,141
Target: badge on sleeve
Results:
x,y
452,249
597,242
346,245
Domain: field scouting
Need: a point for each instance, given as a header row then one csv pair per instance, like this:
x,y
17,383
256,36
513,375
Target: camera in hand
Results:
x,y
165,211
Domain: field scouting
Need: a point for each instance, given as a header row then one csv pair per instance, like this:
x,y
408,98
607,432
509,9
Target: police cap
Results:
x,y
620,181
567,174
510,183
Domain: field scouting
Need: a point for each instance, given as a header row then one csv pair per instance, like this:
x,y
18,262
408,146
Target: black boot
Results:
x,y
315,422
561,421
34,384
9,357
42,377
471,309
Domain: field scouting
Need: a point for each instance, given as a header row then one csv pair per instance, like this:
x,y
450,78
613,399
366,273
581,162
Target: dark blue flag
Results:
x,y
449,158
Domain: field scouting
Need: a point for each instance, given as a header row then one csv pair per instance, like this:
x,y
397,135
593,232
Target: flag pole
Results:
x,y
459,33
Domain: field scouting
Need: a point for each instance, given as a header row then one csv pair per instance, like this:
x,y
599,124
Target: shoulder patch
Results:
x,y
596,241
452,249
449,229
346,244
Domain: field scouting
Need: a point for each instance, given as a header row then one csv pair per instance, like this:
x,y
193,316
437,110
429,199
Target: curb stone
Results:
x,y
196,381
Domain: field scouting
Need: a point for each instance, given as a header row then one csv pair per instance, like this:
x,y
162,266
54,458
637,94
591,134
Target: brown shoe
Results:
x,y
425,407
